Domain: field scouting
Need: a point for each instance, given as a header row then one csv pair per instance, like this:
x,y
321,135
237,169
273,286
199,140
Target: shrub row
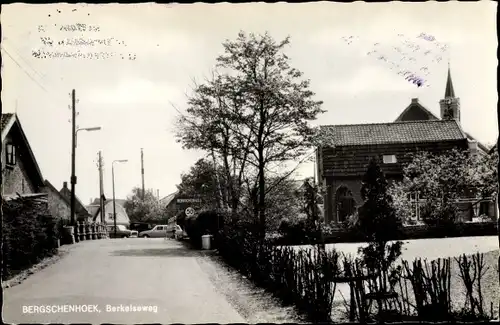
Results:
x,y
345,235
29,235
307,279
301,278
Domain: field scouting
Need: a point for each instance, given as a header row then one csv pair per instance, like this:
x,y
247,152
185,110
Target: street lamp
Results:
x,y
73,159
113,176
97,128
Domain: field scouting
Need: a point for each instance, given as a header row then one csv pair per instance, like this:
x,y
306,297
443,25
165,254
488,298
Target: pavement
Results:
x,y
110,281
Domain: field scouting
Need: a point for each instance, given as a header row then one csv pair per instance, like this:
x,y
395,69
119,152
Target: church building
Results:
x,y
342,163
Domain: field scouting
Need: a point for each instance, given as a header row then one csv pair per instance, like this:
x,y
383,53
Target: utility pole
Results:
x,y
101,189
73,146
158,194
142,173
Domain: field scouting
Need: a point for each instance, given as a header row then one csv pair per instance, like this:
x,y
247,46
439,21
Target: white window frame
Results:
x,y
389,159
10,154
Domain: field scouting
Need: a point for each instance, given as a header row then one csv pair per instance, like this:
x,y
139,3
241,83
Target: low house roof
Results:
x,y
169,198
392,133
7,122
80,209
53,189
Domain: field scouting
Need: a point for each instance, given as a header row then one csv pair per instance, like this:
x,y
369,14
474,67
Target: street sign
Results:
x,y
188,200
189,212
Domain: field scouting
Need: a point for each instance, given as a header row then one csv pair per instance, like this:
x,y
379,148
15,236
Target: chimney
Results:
x,y
414,100
65,185
473,147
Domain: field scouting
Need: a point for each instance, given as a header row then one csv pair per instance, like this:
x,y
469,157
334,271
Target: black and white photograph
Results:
x,y
315,162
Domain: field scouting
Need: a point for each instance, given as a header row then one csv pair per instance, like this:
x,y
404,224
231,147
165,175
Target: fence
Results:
x,y
89,231
308,278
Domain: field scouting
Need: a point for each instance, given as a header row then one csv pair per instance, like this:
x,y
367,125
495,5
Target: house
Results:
x,y
59,205
169,203
20,171
81,212
121,213
342,161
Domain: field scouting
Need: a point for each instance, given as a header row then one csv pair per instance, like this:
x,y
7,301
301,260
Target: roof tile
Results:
x,y
4,120
395,132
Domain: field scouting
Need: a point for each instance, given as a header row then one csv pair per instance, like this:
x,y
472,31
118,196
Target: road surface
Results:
x,y
108,281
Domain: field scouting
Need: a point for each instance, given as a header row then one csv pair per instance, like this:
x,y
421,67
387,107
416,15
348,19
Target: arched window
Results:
x,y
346,205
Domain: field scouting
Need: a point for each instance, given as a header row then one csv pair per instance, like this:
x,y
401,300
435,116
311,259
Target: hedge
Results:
x,y
343,235
29,235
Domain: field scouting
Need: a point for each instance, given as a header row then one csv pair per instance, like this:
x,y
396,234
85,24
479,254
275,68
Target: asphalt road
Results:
x,y
158,274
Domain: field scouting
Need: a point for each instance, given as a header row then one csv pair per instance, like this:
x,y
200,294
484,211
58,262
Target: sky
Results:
x,y
144,59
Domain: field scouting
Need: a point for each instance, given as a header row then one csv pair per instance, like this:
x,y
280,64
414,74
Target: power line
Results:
x,y
23,59
24,70
28,74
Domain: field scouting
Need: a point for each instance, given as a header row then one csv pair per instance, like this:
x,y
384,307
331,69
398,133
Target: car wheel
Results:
x,y
124,236
145,236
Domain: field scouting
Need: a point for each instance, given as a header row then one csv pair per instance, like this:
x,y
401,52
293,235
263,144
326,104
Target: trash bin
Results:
x,y
206,241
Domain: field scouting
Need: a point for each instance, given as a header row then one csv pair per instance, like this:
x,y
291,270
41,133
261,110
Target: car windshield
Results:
x,y
121,227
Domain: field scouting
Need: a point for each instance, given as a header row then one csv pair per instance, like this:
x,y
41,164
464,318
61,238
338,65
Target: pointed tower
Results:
x,y
450,105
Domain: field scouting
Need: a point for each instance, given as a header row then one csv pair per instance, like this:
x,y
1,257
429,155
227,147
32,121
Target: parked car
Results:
x,y
159,231
121,232
179,233
141,226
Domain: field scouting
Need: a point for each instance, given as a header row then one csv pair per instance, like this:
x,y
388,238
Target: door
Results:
x,y
159,231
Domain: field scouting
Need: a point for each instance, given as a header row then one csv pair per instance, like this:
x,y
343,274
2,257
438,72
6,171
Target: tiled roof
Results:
x,y
395,132
4,120
168,199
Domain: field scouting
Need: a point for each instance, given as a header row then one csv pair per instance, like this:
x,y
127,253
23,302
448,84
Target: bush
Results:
x,y
300,231
29,235
205,223
302,278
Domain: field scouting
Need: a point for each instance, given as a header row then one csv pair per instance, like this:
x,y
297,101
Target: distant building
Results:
x,y
342,163
59,205
81,212
122,217
169,204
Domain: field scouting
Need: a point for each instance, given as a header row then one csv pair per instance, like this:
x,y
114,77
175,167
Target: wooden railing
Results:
x,y
89,231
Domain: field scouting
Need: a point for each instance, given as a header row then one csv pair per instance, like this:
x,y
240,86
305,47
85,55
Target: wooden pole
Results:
x,y
73,147
142,173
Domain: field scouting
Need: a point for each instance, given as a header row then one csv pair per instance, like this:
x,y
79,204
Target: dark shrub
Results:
x,y
300,231
29,235
205,223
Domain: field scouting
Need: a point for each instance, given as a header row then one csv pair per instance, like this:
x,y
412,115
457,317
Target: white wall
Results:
x,y
121,215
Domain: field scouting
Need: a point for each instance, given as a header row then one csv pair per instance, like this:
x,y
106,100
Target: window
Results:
x,y
159,228
11,154
389,159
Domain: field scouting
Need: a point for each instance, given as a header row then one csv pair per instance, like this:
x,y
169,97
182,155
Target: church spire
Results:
x,y
450,105
449,92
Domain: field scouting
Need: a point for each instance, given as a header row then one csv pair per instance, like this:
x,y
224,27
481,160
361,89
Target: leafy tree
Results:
x,y
441,179
201,181
377,220
147,210
254,112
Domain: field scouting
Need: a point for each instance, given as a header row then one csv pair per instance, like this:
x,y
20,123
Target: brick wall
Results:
x,y
15,178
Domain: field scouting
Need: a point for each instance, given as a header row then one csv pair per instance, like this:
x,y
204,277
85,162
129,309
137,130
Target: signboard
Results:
x,y
186,202
190,212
